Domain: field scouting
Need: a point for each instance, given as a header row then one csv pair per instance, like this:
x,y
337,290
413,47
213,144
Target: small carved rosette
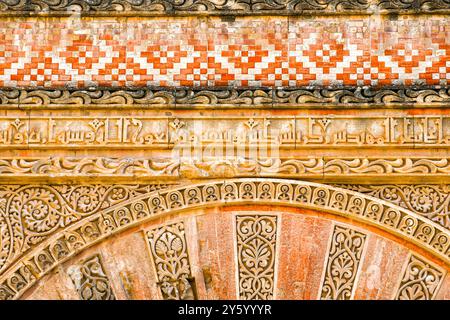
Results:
x,y
171,260
344,257
90,280
256,250
420,280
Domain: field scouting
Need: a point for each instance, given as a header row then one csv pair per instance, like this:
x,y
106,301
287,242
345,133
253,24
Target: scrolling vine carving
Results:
x,y
420,280
226,7
431,201
170,256
344,256
56,248
91,281
256,248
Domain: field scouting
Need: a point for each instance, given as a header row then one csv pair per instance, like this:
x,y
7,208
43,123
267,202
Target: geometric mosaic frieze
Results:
x,y
168,248
342,266
247,52
256,237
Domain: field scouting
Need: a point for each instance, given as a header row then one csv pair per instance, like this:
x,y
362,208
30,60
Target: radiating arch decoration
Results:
x,y
20,274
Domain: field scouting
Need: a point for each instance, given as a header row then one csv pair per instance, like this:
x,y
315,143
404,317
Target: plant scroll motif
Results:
x,y
342,265
420,280
256,246
91,281
171,260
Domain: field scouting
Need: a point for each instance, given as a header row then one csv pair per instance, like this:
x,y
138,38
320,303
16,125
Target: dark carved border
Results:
x,y
224,7
267,97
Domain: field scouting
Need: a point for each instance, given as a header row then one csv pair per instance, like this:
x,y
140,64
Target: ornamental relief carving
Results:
x,y
344,256
90,280
420,280
168,249
431,201
227,7
294,132
321,167
52,248
29,214
256,237
224,97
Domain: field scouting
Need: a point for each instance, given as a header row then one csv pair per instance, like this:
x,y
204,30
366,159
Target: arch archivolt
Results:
x,y
41,229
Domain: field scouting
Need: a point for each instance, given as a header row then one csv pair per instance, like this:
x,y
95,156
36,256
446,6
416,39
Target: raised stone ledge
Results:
x,y
212,7
216,97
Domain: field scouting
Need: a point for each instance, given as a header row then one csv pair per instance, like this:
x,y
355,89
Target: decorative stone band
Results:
x,y
227,7
17,170
57,248
265,97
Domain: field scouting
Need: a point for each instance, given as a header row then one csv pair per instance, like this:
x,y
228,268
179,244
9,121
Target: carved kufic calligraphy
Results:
x,y
285,132
420,280
171,260
342,264
90,280
256,237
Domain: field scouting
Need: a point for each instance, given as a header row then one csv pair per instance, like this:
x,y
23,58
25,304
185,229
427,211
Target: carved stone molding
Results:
x,y
19,275
171,260
344,256
227,7
256,237
14,170
431,201
90,280
420,280
267,97
311,130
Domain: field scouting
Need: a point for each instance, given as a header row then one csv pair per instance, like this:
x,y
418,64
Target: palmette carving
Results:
x,y
53,250
256,237
420,280
343,260
431,201
247,7
229,97
90,280
31,213
171,260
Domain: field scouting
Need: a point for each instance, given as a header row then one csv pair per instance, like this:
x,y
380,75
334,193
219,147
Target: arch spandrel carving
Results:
x,y
75,237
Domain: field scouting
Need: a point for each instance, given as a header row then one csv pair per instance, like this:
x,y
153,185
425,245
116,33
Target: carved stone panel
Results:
x,y
420,280
256,237
171,260
90,280
342,264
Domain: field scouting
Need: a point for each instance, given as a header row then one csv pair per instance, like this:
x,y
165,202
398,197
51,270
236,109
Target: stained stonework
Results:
x,y
243,149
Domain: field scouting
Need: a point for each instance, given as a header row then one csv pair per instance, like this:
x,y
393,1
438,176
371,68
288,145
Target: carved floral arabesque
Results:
x,y
420,280
30,214
256,237
293,97
168,248
343,260
225,7
137,167
431,201
90,280
59,247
